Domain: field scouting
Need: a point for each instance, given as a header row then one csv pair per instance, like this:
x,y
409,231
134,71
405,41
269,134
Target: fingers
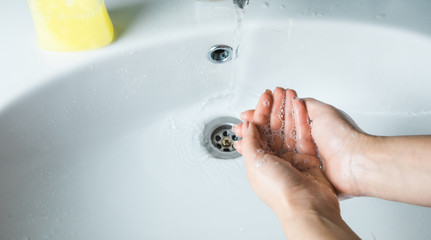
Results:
x,y
251,141
237,129
238,146
289,127
301,162
277,118
274,108
263,109
304,141
247,115
316,108
313,106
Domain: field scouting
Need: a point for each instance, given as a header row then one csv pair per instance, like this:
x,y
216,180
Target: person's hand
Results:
x,y
284,170
341,145
339,141
281,158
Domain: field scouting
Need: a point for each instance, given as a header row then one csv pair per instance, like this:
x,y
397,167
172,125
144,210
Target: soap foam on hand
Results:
x,y
71,25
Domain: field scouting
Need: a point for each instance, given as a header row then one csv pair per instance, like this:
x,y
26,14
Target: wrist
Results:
x,y
365,166
300,223
291,209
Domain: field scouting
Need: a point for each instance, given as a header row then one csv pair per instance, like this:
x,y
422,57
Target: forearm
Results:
x,y
397,168
314,225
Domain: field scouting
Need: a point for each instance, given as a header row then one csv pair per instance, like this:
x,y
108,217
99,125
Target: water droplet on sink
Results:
x,y
283,7
265,4
380,16
172,124
317,14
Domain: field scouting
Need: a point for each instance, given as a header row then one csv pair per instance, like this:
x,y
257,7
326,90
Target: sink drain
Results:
x,y
218,138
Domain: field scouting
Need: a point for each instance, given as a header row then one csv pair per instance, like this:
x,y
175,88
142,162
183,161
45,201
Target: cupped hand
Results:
x,y
339,141
281,157
341,145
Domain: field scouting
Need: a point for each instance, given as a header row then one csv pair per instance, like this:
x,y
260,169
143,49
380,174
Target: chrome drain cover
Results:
x,y
220,54
218,138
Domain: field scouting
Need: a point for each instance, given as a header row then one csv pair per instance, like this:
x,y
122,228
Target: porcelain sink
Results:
x,y
107,144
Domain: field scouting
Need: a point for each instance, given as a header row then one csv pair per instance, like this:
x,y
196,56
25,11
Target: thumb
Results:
x,y
250,140
313,106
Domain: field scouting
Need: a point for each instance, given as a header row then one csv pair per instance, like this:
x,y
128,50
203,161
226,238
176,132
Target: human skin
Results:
x,y
284,170
360,164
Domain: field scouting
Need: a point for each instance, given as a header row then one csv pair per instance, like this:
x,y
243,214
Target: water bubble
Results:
x,y
293,134
283,7
280,115
265,4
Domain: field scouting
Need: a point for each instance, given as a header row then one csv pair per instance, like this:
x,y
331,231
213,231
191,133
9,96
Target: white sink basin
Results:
x,y
108,147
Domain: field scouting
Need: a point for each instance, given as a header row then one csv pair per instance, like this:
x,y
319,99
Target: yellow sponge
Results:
x,y
71,25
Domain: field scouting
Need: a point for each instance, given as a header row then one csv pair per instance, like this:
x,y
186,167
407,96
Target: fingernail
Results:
x,y
268,91
242,116
281,89
298,99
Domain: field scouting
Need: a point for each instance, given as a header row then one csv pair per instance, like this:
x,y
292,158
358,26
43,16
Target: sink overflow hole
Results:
x,y
220,54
